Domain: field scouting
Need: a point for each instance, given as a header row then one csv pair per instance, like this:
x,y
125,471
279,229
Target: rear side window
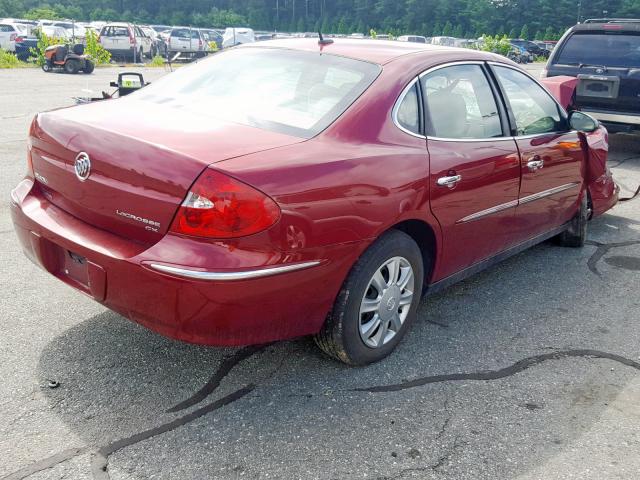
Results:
x,y
460,103
408,114
534,110
286,91
609,49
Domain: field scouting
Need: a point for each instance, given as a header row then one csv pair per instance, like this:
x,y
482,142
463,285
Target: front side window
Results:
x,y
287,91
534,111
460,103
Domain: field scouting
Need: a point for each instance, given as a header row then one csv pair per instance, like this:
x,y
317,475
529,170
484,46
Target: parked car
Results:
x,y
267,208
211,35
413,38
187,41
158,45
57,33
519,54
125,40
546,48
529,46
23,46
604,54
235,36
8,34
443,41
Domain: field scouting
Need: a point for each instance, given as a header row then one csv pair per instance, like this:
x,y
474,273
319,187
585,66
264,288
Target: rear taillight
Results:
x,y
132,39
19,39
29,161
218,206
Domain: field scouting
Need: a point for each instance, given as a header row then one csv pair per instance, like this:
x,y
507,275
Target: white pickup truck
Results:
x,y
8,34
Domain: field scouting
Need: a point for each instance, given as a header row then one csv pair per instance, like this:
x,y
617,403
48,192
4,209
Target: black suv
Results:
x,y
604,54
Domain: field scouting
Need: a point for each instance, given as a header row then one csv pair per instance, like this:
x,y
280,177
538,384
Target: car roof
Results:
x,y
374,51
614,26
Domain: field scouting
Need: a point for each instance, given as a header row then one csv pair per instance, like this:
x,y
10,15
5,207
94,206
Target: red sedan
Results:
x,y
292,188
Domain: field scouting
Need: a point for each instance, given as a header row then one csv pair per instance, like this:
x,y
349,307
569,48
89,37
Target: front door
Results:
x,y
474,166
551,156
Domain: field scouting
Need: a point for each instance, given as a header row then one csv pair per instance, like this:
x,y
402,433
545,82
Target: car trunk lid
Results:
x,y
143,159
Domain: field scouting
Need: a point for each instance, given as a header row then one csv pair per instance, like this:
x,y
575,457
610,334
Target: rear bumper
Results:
x,y
249,307
614,117
120,52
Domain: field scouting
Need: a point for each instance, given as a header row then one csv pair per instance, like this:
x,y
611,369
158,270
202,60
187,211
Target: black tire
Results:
x,y
46,67
88,67
340,335
71,66
576,235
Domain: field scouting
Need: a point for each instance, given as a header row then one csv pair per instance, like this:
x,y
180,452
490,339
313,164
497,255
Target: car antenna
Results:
x,y
324,41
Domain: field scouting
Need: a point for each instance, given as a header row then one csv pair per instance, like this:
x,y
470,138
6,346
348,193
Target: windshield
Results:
x,y
287,91
606,49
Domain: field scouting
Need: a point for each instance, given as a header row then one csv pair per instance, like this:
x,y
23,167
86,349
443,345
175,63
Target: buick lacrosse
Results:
x,y
297,187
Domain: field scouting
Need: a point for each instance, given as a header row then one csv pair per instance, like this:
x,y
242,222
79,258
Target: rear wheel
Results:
x,y
46,66
377,303
576,235
71,66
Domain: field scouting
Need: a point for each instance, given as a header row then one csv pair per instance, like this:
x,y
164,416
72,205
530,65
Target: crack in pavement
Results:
x,y
46,463
517,367
223,370
100,460
620,162
602,250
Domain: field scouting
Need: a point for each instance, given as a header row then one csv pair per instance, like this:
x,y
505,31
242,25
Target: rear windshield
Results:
x,y
606,49
184,33
286,91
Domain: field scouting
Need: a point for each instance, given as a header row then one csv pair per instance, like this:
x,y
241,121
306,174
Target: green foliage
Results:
x,y
98,54
157,61
44,11
495,44
9,60
545,19
373,34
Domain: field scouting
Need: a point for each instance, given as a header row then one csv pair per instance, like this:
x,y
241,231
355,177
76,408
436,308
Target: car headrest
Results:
x,y
448,113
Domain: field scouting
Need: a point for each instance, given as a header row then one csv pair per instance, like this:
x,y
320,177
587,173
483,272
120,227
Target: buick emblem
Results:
x,y
82,166
599,71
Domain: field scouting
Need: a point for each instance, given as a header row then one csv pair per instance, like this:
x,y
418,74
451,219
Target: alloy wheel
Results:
x,y
386,302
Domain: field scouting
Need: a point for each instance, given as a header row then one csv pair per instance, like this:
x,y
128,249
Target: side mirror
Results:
x,y
582,122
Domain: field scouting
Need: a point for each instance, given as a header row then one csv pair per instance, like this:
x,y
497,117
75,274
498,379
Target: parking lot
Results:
x,y
529,370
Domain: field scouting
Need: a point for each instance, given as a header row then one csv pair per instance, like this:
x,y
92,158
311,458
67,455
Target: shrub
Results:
x,y
98,54
156,61
495,44
8,60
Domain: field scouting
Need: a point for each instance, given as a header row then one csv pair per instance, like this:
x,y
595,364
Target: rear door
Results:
x,y
474,165
607,63
551,156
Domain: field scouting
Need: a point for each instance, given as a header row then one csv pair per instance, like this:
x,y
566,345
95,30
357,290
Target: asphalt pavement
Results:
x,y
529,370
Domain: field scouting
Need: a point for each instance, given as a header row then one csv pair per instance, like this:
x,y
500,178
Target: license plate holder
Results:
x,y
598,86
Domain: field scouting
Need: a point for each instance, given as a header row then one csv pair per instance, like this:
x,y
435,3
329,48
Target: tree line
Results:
x,y
530,19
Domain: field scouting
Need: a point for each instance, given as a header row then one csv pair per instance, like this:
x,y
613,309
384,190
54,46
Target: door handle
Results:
x,y
535,163
449,181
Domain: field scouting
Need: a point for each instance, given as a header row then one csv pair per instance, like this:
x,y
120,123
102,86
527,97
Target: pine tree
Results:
x,y
524,33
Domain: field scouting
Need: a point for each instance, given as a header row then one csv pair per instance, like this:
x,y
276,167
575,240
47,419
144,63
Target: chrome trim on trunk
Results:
x,y
235,275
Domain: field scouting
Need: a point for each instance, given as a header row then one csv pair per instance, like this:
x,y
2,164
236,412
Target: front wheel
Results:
x,y
576,235
46,67
377,302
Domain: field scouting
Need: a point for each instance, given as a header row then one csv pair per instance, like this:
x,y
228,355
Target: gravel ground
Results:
x,y
530,370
